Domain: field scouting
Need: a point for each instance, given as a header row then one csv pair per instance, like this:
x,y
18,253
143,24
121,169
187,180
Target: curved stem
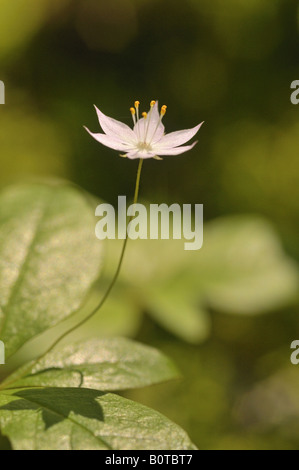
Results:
x,y
114,279
110,287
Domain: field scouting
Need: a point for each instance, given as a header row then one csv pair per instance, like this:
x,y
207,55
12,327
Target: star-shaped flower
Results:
x,y
147,138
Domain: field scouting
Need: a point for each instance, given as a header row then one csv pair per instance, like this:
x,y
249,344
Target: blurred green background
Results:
x,y
228,313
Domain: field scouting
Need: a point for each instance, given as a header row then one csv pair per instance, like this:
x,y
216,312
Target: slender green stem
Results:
x,y
111,285
114,279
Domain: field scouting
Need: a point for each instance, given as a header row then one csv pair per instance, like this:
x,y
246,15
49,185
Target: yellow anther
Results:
x,y
132,111
136,104
163,110
144,115
153,103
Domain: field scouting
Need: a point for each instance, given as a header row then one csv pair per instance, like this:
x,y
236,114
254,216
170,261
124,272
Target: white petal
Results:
x,y
110,141
139,129
132,155
140,154
174,139
114,128
172,151
155,129
158,133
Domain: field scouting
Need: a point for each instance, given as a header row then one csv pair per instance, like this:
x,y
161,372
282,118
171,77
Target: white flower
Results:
x,y
147,138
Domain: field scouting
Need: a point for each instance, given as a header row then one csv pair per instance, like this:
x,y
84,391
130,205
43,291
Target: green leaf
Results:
x,y
49,258
107,364
241,269
171,306
83,419
246,269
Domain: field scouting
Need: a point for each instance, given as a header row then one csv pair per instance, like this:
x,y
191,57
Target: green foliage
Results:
x,y
241,269
102,364
50,259
84,419
46,238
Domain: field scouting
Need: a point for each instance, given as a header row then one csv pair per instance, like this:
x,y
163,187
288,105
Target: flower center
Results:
x,y
144,146
142,134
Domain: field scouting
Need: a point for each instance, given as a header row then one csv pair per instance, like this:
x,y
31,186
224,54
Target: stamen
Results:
x,y
133,112
136,104
163,110
153,102
144,115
